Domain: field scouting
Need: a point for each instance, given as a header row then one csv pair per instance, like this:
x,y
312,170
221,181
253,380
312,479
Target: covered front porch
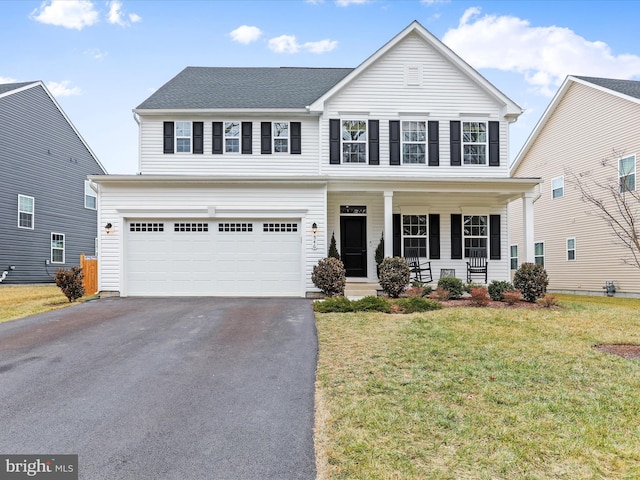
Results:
x,y
444,219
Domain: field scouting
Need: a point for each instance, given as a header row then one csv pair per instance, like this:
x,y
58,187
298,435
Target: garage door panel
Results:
x,y
194,257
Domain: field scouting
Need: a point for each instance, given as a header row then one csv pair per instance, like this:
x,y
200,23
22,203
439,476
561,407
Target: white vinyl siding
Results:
x,y
26,212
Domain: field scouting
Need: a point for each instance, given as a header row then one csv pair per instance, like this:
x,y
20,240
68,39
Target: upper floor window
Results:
x,y
57,248
538,253
476,233
26,211
557,187
414,233
183,137
474,143
280,137
90,196
627,174
232,137
354,141
414,142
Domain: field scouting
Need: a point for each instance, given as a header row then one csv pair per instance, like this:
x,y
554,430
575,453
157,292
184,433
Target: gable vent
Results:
x,y
413,75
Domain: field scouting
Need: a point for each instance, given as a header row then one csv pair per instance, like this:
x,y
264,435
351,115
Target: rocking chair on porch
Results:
x,y
420,272
477,264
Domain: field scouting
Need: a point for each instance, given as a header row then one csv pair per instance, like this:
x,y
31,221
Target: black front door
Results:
x,y
353,241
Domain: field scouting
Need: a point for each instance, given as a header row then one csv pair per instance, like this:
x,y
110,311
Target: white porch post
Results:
x,y
528,251
388,224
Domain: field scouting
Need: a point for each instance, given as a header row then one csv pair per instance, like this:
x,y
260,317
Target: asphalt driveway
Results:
x,y
164,388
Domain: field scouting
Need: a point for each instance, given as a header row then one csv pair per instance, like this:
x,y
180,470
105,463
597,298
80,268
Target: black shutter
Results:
x,y
397,235
434,236
394,142
168,137
456,236
334,142
494,237
247,138
434,144
494,144
296,138
265,138
455,144
216,128
374,142
198,137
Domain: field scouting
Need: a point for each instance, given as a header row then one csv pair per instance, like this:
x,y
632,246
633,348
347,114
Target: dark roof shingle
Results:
x,y
229,87
626,87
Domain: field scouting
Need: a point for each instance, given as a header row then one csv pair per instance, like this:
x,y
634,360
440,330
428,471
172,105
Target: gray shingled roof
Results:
x,y
227,87
7,87
626,87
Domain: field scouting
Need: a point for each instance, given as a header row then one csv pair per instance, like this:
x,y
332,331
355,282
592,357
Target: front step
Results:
x,y
356,290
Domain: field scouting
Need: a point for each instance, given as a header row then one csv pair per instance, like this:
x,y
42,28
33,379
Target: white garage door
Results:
x,y
196,257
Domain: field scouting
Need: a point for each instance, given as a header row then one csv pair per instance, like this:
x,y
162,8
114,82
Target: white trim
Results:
x,y
511,257
90,192
64,248
561,177
32,213
574,249
182,137
635,186
536,255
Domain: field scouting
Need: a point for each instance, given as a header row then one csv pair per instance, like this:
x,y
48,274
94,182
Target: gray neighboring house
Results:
x,y
48,212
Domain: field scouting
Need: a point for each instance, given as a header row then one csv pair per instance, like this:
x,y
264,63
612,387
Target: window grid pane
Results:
x,y
474,143
476,232
414,139
57,248
281,137
354,141
414,231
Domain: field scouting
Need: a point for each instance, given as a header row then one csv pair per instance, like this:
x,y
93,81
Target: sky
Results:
x,y
101,59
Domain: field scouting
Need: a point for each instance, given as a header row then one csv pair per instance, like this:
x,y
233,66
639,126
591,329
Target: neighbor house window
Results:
x,y
571,248
627,174
538,253
26,208
183,137
513,257
474,143
414,142
232,137
57,248
476,232
414,233
90,196
354,141
557,187
280,137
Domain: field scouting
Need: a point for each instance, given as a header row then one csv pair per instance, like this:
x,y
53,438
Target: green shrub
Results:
x,y
329,276
379,255
372,304
532,280
70,282
333,249
394,276
453,285
335,304
417,304
497,288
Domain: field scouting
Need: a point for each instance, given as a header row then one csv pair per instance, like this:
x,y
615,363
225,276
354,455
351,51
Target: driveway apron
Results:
x,y
164,388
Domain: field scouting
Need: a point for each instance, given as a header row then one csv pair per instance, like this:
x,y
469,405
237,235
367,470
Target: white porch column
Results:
x,y
388,224
528,236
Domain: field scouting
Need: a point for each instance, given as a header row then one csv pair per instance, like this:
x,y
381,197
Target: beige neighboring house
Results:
x,y
588,121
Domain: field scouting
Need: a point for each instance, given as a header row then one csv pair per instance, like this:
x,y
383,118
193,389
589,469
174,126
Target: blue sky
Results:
x,y
101,59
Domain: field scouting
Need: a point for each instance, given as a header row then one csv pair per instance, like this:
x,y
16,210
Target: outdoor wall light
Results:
x,y
314,230
108,228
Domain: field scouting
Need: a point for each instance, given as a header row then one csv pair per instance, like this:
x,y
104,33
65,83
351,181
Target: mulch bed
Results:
x,y
628,351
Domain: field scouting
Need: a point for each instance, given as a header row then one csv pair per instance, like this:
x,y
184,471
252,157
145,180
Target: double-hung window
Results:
x,y
627,174
183,137
232,137
414,141
57,248
513,257
538,253
280,137
354,141
90,196
414,232
474,143
571,249
476,233
26,211
557,187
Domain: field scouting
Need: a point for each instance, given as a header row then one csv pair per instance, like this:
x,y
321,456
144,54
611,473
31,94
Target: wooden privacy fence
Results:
x,y
89,264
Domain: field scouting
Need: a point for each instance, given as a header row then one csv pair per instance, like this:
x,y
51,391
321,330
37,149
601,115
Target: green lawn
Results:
x,y
18,301
477,393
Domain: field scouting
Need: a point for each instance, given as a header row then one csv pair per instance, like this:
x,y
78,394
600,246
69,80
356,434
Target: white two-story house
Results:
x,y
245,174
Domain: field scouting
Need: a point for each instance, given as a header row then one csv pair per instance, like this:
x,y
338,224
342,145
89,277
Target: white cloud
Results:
x,y
245,34
117,16
96,53
289,44
346,3
63,89
8,80
75,14
544,55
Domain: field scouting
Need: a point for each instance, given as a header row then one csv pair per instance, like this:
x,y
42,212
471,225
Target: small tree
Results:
x,y
394,276
70,282
379,255
333,249
329,276
532,280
